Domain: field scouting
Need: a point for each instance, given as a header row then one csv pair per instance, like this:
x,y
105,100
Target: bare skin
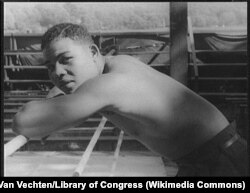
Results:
x,y
161,113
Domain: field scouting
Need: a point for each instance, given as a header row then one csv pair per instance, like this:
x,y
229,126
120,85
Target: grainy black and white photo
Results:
x,y
125,89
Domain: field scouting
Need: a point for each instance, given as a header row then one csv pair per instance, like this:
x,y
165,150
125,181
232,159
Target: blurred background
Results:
x,y
37,17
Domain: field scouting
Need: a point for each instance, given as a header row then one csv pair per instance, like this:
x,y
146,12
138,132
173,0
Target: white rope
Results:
x,y
116,154
85,157
13,145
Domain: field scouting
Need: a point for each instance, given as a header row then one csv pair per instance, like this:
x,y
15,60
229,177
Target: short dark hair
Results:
x,y
66,30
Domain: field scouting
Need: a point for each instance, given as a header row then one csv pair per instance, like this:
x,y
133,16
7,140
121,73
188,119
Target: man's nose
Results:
x,y
60,70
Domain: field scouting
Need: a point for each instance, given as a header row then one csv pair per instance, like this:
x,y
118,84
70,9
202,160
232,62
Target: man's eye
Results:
x,y
65,60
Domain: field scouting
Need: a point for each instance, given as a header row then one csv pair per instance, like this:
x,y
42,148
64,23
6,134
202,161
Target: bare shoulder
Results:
x,y
123,63
102,83
120,59
104,87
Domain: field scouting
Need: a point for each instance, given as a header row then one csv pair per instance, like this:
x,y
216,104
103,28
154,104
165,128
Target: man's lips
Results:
x,y
65,82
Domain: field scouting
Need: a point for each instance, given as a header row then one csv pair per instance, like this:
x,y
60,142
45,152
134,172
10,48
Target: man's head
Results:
x,y
66,30
71,56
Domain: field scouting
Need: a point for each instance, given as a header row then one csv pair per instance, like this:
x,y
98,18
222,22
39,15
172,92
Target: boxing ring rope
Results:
x,y
13,145
116,154
20,140
85,157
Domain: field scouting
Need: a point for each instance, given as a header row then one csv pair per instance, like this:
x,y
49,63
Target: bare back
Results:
x,y
163,114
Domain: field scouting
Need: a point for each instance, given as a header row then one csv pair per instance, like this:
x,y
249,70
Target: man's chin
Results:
x,y
69,91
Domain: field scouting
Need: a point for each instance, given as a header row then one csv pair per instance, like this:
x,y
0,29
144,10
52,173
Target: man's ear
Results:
x,y
95,51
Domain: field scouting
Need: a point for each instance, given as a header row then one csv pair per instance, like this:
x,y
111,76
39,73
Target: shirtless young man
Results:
x,y
161,113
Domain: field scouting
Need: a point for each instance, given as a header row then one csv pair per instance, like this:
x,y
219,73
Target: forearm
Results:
x,y
40,118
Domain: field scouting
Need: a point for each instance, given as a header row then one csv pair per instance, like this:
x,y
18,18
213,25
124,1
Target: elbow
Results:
x,y
18,124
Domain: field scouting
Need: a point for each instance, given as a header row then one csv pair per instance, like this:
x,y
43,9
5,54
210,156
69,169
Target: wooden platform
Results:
x,y
100,163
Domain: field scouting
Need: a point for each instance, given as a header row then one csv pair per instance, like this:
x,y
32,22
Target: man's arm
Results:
x,y
40,118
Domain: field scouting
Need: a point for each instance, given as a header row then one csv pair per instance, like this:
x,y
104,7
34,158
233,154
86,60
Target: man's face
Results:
x,y
69,64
